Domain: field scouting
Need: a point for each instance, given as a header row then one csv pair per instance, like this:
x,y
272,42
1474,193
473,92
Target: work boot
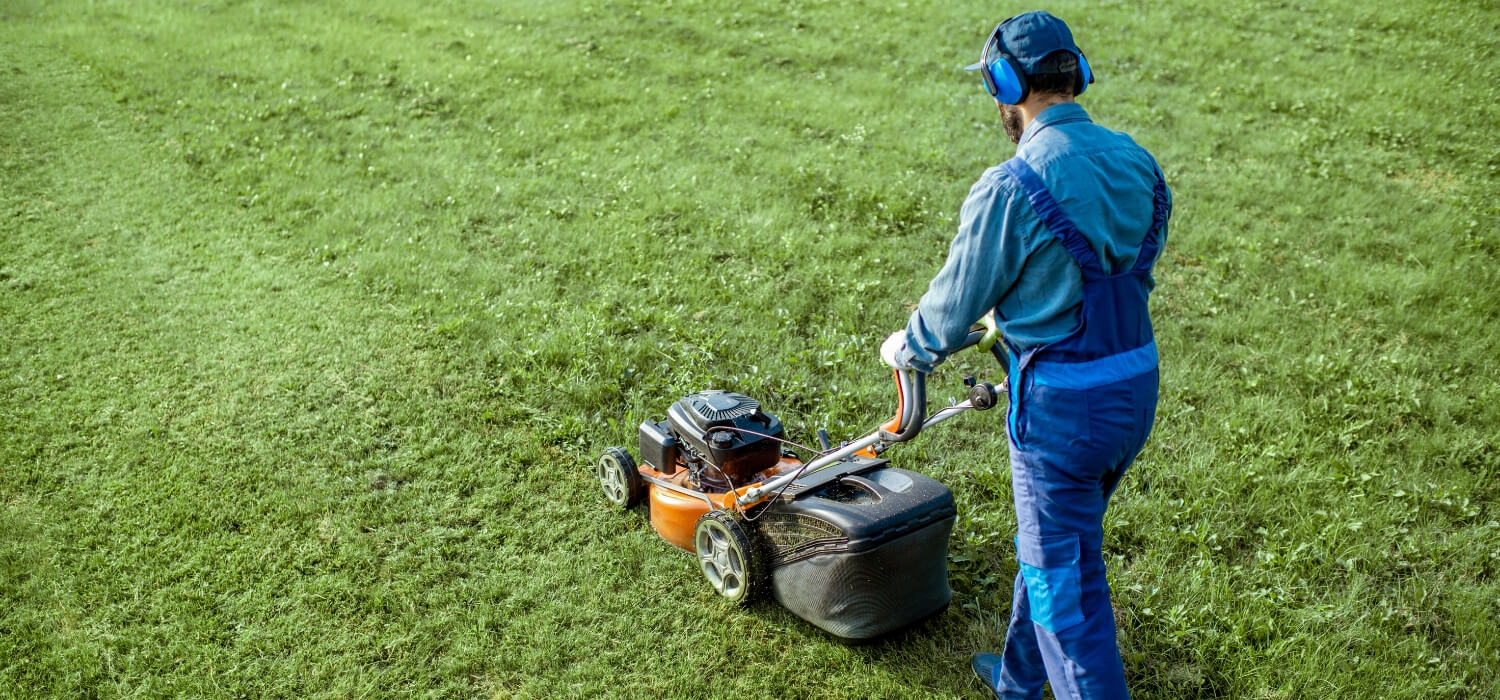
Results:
x,y
987,668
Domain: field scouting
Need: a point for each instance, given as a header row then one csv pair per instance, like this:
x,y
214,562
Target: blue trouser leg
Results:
x,y
1066,608
1022,673
1066,462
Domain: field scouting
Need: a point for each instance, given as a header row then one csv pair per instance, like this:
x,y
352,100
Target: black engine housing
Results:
x,y
746,440
725,429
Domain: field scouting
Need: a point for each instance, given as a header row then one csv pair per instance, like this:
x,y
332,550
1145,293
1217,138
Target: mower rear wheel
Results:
x,y
618,477
728,557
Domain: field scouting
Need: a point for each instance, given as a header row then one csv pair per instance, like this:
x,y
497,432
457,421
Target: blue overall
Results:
x,y
1080,411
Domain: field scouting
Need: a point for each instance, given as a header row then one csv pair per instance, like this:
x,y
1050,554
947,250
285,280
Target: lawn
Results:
x,y
316,314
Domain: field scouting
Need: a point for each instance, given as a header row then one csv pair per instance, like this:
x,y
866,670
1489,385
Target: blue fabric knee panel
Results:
x,y
1054,587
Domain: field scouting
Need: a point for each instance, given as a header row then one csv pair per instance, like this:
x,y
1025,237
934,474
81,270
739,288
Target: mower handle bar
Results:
x,y
911,387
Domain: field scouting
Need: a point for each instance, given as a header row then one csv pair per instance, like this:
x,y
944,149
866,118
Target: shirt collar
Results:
x,y
1060,113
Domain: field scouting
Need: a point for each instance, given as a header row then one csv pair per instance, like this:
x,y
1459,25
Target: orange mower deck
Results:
x,y
675,515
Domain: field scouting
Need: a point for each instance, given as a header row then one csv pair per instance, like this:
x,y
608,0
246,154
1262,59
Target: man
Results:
x,y
1058,243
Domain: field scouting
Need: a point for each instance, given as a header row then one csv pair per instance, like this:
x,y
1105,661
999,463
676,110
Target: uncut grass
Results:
x,y
317,314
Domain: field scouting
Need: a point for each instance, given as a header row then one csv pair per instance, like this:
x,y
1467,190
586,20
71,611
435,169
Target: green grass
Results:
x,y
316,313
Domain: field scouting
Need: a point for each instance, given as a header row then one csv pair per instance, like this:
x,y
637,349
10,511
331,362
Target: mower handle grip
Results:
x,y
911,389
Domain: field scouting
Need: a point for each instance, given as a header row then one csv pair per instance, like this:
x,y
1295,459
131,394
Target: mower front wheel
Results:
x,y
618,478
728,557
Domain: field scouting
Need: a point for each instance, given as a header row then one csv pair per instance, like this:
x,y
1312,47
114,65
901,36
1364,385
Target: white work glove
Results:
x,y
890,350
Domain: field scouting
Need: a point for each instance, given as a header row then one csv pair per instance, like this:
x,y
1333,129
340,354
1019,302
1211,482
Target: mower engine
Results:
x,y
722,439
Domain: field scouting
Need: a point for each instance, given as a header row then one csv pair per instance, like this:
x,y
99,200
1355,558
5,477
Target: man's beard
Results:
x,y
1010,116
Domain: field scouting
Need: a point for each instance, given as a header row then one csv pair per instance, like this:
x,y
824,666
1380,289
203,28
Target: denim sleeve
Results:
x,y
983,261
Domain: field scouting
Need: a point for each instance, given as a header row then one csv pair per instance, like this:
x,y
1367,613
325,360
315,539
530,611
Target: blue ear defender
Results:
x,y
1008,81
1088,74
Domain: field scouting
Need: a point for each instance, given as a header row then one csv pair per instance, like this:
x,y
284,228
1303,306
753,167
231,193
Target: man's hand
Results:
x,y
890,350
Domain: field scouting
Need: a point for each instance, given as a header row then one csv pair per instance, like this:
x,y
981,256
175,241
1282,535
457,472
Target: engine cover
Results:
x,y
739,454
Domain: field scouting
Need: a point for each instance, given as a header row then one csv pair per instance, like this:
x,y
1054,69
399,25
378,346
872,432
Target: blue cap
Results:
x,y
1030,37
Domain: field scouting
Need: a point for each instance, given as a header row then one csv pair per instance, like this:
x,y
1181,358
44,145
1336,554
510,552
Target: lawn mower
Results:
x,y
845,541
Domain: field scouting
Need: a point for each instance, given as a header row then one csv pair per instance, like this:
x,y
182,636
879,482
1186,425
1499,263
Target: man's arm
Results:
x,y
983,263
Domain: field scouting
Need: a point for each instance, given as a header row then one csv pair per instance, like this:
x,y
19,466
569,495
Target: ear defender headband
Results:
x,y
1005,80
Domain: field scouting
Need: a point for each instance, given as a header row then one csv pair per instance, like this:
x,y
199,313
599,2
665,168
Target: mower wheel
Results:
x,y
618,477
727,554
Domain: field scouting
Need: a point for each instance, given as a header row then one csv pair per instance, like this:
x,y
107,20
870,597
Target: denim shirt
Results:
x,y
1004,258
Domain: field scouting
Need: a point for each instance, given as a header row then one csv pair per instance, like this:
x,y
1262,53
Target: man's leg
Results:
x,y
1083,660
1061,487
1062,477
1020,673
1023,671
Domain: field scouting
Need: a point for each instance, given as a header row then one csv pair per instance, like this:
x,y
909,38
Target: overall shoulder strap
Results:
x,y
1052,215
1160,210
